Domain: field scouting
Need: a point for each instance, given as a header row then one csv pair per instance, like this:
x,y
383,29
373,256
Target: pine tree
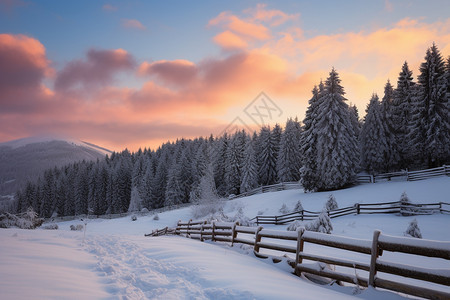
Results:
x,y
373,142
234,161
429,134
267,157
249,169
401,114
337,147
174,190
289,159
392,157
309,175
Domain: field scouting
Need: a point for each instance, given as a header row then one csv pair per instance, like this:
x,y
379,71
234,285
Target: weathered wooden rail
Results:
x,y
397,207
405,175
374,267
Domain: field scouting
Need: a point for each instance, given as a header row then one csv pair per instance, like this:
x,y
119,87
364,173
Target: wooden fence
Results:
x,y
359,208
405,175
269,188
436,281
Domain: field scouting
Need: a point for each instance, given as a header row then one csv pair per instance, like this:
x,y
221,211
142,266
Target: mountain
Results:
x,y
25,159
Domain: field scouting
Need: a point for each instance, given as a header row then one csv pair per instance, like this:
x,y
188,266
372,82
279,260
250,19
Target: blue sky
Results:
x,y
188,68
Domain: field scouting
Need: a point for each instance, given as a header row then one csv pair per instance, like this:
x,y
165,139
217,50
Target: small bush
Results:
x,y
413,230
298,206
78,227
331,203
156,218
296,225
133,218
321,224
144,210
284,209
406,209
26,220
51,227
242,218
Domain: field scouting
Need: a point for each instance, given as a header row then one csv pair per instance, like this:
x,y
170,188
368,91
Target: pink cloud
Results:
x,y
109,7
175,72
273,16
97,70
133,24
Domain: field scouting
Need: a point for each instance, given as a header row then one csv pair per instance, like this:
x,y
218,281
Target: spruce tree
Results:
x,y
401,114
308,172
392,157
289,159
249,168
372,139
429,134
337,146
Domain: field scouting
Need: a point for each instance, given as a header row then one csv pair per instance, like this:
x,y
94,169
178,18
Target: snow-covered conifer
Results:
x,y
413,230
331,203
337,147
374,148
289,158
249,179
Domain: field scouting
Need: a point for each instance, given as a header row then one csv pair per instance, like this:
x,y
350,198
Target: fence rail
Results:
x,y
269,188
405,209
406,175
312,263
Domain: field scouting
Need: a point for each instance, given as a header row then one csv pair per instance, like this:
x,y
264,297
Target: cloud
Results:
x,y
175,72
98,69
388,6
109,7
24,66
245,29
8,6
133,24
274,17
230,41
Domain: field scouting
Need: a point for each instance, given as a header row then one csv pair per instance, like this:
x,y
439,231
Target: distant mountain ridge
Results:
x,y
27,158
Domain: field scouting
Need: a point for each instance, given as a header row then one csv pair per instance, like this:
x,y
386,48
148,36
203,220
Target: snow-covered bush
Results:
x,y
206,199
260,213
284,209
51,227
27,220
331,203
296,225
405,206
144,210
156,217
413,230
242,218
133,218
78,227
321,224
298,206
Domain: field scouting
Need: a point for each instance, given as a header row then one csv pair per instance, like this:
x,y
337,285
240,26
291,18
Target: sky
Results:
x,y
136,74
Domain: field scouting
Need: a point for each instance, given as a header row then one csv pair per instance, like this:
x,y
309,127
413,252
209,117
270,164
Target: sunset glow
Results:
x,y
137,74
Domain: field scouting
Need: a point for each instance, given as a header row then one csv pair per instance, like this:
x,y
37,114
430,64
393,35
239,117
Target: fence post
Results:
x,y
302,214
372,179
257,239
233,233
357,209
165,230
257,220
213,229
188,225
276,220
300,242
201,233
373,258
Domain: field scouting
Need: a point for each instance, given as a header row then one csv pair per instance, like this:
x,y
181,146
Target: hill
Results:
x,y
25,159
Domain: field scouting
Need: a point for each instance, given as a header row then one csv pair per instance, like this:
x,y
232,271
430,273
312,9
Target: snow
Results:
x,y
116,261
14,144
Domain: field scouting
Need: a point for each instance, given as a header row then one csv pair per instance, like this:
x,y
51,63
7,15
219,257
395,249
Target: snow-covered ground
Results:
x,y
115,261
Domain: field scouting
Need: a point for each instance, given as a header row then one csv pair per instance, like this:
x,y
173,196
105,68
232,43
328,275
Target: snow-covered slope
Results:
x,y
25,159
114,260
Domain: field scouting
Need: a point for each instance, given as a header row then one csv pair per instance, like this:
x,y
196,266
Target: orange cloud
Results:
x,y
274,16
228,40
